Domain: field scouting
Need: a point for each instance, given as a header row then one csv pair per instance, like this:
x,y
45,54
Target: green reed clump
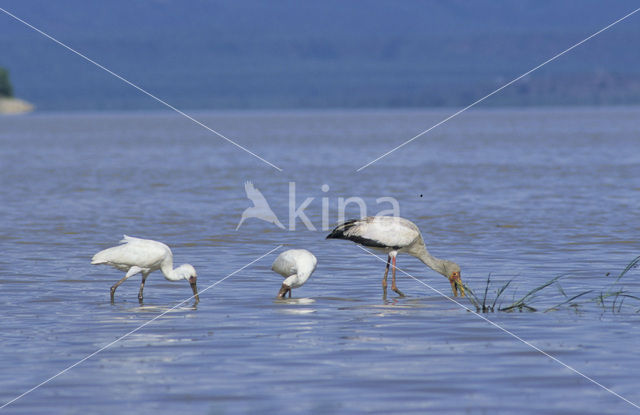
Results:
x,y
613,293
483,306
616,292
631,265
522,303
569,301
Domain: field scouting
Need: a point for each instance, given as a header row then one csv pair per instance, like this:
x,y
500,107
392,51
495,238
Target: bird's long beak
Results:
x,y
194,288
456,284
283,290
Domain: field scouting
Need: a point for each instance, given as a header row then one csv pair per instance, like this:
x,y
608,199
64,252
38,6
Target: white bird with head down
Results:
x,y
296,266
393,235
144,256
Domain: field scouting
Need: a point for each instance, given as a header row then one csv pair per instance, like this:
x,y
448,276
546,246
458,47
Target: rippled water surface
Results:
x,y
530,194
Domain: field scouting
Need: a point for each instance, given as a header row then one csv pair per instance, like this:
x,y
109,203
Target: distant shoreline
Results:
x,y
15,106
442,111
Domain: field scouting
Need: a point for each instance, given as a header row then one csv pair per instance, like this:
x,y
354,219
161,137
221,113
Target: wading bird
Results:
x,y
393,235
296,266
144,256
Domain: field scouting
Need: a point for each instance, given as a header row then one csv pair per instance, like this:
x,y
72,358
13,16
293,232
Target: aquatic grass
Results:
x,y
522,302
483,306
486,288
610,291
632,264
499,293
604,295
617,291
561,290
568,301
622,295
471,296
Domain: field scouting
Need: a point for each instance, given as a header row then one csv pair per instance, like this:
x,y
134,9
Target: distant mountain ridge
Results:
x,y
252,54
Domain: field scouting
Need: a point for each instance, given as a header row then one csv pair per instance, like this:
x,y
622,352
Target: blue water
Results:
x,y
529,194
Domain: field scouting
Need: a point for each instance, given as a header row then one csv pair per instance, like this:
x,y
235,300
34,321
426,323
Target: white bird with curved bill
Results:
x,y
393,235
296,266
144,256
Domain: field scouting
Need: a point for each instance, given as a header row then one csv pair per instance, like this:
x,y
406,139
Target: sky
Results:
x,y
330,54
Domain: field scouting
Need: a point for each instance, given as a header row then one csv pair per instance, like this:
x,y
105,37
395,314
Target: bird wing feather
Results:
x,y
284,265
126,238
144,253
293,261
378,231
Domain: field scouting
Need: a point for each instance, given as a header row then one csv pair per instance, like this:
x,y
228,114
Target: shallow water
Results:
x,y
516,193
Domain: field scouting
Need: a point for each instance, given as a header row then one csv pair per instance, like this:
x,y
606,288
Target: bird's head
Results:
x,y
452,272
286,286
283,290
188,272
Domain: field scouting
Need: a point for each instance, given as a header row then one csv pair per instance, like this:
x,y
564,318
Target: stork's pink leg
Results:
x,y
386,272
393,279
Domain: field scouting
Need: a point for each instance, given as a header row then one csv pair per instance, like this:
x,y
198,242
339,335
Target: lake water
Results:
x,y
530,194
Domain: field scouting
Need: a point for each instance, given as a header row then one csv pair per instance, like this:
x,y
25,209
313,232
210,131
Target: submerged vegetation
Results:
x,y
610,297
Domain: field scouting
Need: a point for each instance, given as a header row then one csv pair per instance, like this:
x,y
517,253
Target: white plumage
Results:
x,y
296,266
393,235
144,256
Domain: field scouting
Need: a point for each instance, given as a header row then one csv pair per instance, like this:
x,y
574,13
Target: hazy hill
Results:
x,y
6,90
256,54
9,104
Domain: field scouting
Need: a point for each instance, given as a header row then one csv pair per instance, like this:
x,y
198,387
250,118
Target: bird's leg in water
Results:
x,y
113,288
132,271
144,278
393,279
290,291
384,279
